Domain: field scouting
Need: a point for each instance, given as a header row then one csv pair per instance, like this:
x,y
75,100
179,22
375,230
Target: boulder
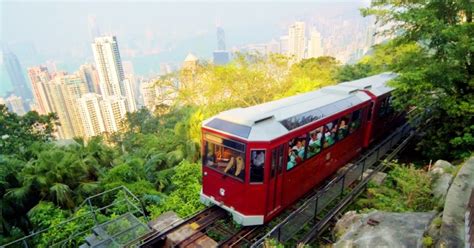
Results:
x,y
377,179
452,231
441,185
383,229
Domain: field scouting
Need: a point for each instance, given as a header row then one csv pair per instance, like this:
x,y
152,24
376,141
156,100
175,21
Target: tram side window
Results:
x,y
257,164
385,107
355,121
343,130
224,159
330,130
315,142
296,151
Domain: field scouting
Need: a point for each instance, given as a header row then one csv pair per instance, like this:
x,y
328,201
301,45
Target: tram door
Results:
x,y
276,179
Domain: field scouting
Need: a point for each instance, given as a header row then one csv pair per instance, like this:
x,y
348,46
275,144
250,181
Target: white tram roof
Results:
x,y
376,84
268,121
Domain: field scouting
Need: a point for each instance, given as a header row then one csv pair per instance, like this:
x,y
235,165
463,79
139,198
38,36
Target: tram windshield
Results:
x,y
224,155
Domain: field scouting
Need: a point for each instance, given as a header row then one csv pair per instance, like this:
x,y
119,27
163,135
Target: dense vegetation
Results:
x,y
156,155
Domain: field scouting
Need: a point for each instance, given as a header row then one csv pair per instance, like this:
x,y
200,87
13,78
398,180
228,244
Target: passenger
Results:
x,y
259,159
342,132
240,167
291,159
328,139
211,158
230,165
315,138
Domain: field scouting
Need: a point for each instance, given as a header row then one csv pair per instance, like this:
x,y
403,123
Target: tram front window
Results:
x,y
225,156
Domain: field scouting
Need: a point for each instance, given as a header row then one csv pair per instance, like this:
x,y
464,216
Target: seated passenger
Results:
x,y
236,165
211,159
328,139
353,126
342,132
291,159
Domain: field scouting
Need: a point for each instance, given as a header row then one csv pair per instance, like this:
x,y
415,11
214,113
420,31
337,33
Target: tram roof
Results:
x,y
267,121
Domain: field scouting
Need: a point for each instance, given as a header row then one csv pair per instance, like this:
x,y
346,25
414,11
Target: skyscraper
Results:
x,y
15,73
220,56
284,44
90,76
297,40
91,115
315,48
113,110
39,76
109,65
63,91
220,38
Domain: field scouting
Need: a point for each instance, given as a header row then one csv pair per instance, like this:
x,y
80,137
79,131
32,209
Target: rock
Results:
x,y
441,185
452,227
378,178
384,229
442,164
347,220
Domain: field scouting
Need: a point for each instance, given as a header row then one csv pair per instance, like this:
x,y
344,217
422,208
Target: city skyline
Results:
x,y
159,33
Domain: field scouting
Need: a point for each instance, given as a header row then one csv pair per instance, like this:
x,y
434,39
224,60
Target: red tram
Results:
x,y
259,160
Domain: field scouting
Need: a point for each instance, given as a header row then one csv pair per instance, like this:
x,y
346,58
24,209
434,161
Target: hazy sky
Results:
x,y
61,29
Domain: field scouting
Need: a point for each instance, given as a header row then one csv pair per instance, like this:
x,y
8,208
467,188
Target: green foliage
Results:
x,y
427,241
17,133
184,199
405,189
433,53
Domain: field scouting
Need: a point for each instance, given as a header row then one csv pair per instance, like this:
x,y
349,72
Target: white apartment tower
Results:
x,y
109,65
297,40
91,115
315,48
113,82
113,109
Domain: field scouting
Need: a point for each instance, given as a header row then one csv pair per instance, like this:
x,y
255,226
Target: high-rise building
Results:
x,y
220,38
63,91
15,104
39,76
15,74
315,48
90,76
91,115
113,110
109,65
297,40
129,83
149,94
220,56
284,44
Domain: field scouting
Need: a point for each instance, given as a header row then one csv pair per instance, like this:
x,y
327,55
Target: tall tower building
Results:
x,y
220,56
39,76
113,110
90,76
15,73
296,40
315,48
109,65
284,44
220,38
91,115
129,83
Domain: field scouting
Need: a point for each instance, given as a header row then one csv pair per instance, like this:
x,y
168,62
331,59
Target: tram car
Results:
x,y
259,160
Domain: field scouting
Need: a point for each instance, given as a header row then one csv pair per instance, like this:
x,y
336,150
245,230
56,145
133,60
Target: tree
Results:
x,y
436,73
17,133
